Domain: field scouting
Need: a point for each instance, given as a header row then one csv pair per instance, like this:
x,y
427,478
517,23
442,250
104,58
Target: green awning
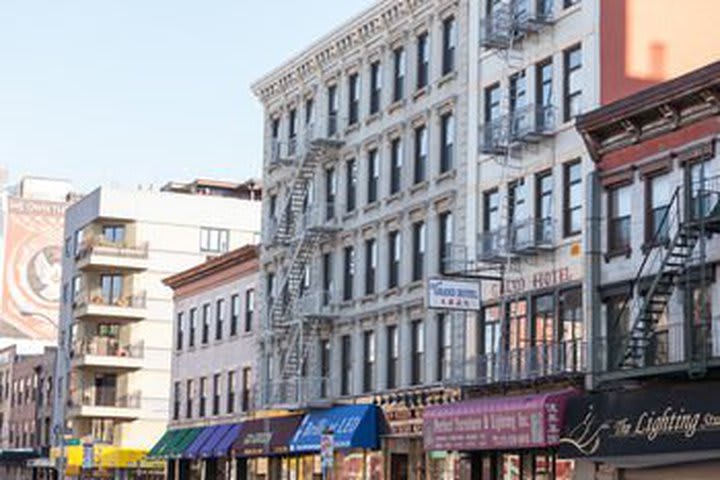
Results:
x,y
181,441
159,447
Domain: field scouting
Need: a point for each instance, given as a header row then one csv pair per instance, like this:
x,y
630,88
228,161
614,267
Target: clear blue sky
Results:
x,y
132,92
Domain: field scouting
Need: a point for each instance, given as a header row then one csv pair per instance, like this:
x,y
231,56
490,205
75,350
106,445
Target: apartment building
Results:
x,y
213,361
653,288
114,369
26,384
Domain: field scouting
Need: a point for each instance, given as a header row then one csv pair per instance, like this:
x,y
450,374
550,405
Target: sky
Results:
x,y
140,92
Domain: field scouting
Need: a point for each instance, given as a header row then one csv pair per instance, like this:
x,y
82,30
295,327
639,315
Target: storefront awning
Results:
x,y
264,437
160,446
181,441
208,448
193,448
529,421
353,426
226,442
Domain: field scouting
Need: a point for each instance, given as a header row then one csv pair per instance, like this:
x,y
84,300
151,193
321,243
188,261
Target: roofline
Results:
x,y
243,254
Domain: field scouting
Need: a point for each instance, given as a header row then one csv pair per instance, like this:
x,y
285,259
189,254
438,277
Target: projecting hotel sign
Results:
x,y
453,294
675,418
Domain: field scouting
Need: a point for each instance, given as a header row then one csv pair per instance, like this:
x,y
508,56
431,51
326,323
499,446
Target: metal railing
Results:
x,y
98,244
533,362
108,347
317,303
494,136
532,122
105,397
96,297
290,151
299,391
508,22
531,235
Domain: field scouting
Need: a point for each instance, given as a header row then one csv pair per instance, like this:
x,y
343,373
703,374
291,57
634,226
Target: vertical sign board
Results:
x,y
452,294
327,450
87,458
32,267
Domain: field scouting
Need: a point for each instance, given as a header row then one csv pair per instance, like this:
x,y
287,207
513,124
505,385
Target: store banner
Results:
x,y
497,423
671,418
447,294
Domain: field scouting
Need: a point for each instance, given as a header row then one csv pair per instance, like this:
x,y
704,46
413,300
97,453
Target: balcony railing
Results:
x,y
531,123
549,359
291,150
531,235
98,244
105,397
108,347
317,303
96,297
510,21
302,391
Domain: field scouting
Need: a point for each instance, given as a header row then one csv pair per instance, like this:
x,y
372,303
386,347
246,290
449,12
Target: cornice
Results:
x,y
368,26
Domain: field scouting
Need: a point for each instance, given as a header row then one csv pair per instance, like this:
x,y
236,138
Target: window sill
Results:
x,y
370,297
393,198
395,106
450,174
420,93
415,285
621,252
371,206
419,187
392,292
447,78
373,118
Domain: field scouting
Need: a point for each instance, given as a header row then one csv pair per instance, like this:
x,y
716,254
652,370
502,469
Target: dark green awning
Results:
x,y
160,446
185,437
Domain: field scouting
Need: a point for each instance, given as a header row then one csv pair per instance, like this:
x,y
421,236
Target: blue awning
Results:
x,y
223,446
353,426
207,450
192,450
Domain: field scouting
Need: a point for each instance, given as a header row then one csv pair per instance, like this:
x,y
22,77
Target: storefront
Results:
x,y
262,450
171,447
98,461
502,438
669,431
355,433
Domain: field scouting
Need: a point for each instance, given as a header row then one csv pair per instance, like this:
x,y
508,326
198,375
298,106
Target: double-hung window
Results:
x,y
351,189
371,258
417,349
421,154
346,363
373,159
572,198
353,98
449,45
396,162
619,209
368,361
234,313
219,318
332,99
446,238
249,309
418,251
205,323
349,272
398,74
394,248
572,101
447,142
375,87
659,193
423,60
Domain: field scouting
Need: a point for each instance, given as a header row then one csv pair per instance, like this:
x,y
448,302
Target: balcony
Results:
x,y
290,152
104,402
528,124
532,236
107,354
545,360
97,253
509,22
319,305
303,392
93,305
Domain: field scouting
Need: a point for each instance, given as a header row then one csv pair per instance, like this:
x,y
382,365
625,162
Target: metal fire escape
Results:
x,y
293,319
676,257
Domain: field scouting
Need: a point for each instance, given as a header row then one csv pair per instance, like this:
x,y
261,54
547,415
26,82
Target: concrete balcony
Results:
x,y
100,254
107,355
106,403
93,305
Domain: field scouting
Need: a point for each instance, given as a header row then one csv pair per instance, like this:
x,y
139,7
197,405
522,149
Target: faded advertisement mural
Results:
x,y
32,268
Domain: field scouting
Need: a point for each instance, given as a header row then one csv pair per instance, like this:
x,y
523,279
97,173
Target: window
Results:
x,y
417,370
619,207
351,192
230,392
444,347
572,198
349,269
78,242
188,399
371,255
234,314
375,87
246,389
398,74
418,252
193,314
423,60
447,142
368,361
518,103
275,128
214,240
112,288
571,328
353,99
544,206
176,401
203,398
114,233
373,175
330,191
492,103
394,249
273,205
292,131
396,161
179,332
249,309
421,153
346,365
327,271
205,323
324,367
449,45
659,193
543,94
76,287
517,203
216,394
309,111
572,98
219,314
446,238
332,98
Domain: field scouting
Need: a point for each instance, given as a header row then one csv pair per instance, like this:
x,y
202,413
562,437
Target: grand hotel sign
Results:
x,y
674,418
